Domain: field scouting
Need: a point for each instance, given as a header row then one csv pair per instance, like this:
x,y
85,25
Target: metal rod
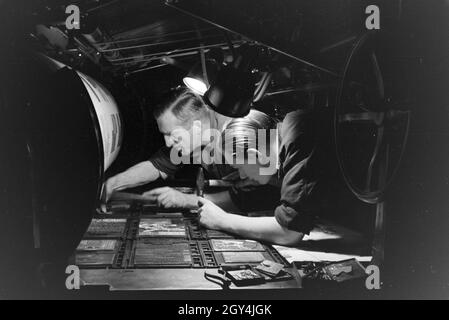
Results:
x,y
377,150
146,69
202,56
175,62
272,48
156,58
151,37
307,88
185,54
159,58
378,247
338,44
103,5
152,44
164,53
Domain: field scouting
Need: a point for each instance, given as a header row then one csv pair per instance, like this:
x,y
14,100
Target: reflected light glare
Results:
x,y
196,85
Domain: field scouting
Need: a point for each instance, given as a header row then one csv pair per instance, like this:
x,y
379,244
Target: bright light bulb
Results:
x,y
196,85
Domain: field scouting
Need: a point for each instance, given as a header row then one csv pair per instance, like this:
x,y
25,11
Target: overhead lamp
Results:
x,y
232,92
200,79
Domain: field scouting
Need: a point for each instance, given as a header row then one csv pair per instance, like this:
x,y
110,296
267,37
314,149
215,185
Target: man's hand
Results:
x,y
108,190
239,184
211,216
138,175
170,198
246,185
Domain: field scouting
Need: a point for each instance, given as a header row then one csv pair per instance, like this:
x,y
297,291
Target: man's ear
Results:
x,y
197,134
197,128
255,155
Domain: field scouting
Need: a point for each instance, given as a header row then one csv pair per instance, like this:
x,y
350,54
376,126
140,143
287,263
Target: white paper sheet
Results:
x,y
326,233
299,255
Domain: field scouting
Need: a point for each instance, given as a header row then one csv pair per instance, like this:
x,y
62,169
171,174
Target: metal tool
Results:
x,y
219,183
222,281
200,182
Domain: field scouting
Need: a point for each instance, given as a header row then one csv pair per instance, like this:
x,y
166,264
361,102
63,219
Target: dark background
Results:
x,y
416,261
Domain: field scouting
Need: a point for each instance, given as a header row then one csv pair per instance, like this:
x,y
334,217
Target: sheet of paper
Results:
x,y
298,255
326,230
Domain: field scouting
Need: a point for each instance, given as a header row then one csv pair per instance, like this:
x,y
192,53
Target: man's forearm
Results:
x,y
140,174
259,228
221,199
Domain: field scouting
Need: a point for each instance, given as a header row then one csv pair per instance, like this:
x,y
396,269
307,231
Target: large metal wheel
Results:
x,y
371,121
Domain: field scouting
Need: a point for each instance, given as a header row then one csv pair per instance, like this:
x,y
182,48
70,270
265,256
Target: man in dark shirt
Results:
x,y
184,120
305,165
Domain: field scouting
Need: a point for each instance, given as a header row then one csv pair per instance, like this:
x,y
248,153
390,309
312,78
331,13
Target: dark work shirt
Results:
x,y
307,166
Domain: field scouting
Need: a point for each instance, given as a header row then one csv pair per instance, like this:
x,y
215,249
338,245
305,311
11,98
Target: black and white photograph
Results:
x,y
198,151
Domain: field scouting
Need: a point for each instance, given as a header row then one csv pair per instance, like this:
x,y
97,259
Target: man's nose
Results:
x,y
242,175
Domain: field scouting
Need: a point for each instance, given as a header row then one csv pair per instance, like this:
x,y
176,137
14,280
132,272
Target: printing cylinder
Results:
x,y
60,130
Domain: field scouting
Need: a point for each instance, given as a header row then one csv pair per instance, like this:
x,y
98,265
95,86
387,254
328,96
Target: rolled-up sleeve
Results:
x,y
294,220
161,161
299,204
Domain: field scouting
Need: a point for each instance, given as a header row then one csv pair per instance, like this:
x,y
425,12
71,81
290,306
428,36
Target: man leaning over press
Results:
x,y
183,119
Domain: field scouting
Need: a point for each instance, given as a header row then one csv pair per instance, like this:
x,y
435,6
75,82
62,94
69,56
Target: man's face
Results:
x,y
177,134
